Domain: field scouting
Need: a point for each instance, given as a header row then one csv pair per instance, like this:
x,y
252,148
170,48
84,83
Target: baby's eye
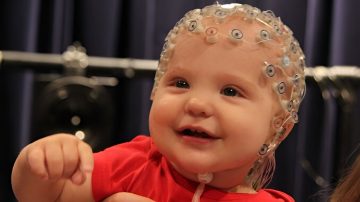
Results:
x,y
182,84
230,91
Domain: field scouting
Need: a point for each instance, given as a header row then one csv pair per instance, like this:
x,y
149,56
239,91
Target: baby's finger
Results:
x,y
78,177
71,158
36,160
86,157
54,160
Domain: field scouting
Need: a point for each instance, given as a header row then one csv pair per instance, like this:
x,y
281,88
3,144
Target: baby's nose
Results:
x,y
199,107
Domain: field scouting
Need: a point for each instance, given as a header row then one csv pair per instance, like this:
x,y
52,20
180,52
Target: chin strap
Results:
x,y
204,178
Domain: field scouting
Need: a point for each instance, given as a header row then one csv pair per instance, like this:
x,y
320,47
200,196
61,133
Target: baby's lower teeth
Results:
x,y
199,135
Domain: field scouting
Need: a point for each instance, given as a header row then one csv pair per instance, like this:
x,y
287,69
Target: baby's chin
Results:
x,y
192,169
222,179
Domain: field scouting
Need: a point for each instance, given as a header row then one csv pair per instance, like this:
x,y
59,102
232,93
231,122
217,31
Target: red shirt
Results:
x,y
139,168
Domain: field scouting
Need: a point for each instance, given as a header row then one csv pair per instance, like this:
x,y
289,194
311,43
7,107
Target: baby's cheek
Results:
x,y
164,102
162,111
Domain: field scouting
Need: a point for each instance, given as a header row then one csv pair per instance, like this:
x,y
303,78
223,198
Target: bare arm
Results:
x,y
126,197
54,168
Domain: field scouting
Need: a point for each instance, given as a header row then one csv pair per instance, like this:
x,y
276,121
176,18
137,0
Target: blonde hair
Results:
x,y
349,187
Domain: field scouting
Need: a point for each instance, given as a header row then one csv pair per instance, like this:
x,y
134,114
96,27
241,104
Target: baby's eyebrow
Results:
x,y
250,88
175,69
238,78
242,80
172,71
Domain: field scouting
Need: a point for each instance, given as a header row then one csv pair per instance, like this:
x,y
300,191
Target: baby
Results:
x,y
227,91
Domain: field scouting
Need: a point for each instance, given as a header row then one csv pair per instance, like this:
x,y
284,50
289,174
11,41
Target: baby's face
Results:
x,y
213,108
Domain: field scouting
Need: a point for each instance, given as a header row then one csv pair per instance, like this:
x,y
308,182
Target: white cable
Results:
x,y
203,178
199,190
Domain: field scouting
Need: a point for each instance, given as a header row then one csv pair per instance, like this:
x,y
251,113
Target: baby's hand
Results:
x,y
60,156
126,197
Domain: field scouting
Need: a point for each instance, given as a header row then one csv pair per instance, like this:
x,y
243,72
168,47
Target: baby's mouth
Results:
x,y
196,133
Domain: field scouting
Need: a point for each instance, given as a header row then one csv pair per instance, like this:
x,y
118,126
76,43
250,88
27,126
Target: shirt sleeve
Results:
x,y
113,166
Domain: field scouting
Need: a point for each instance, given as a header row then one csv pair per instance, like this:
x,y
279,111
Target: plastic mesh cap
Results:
x,y
285,70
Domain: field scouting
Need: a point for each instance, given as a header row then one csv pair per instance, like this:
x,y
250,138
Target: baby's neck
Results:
x,y
229,181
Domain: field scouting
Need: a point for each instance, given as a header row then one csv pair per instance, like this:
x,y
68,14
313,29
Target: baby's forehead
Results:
x,y
235,32
215,35
248,29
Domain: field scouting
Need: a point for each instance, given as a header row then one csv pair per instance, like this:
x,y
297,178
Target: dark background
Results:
x,y
310,160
